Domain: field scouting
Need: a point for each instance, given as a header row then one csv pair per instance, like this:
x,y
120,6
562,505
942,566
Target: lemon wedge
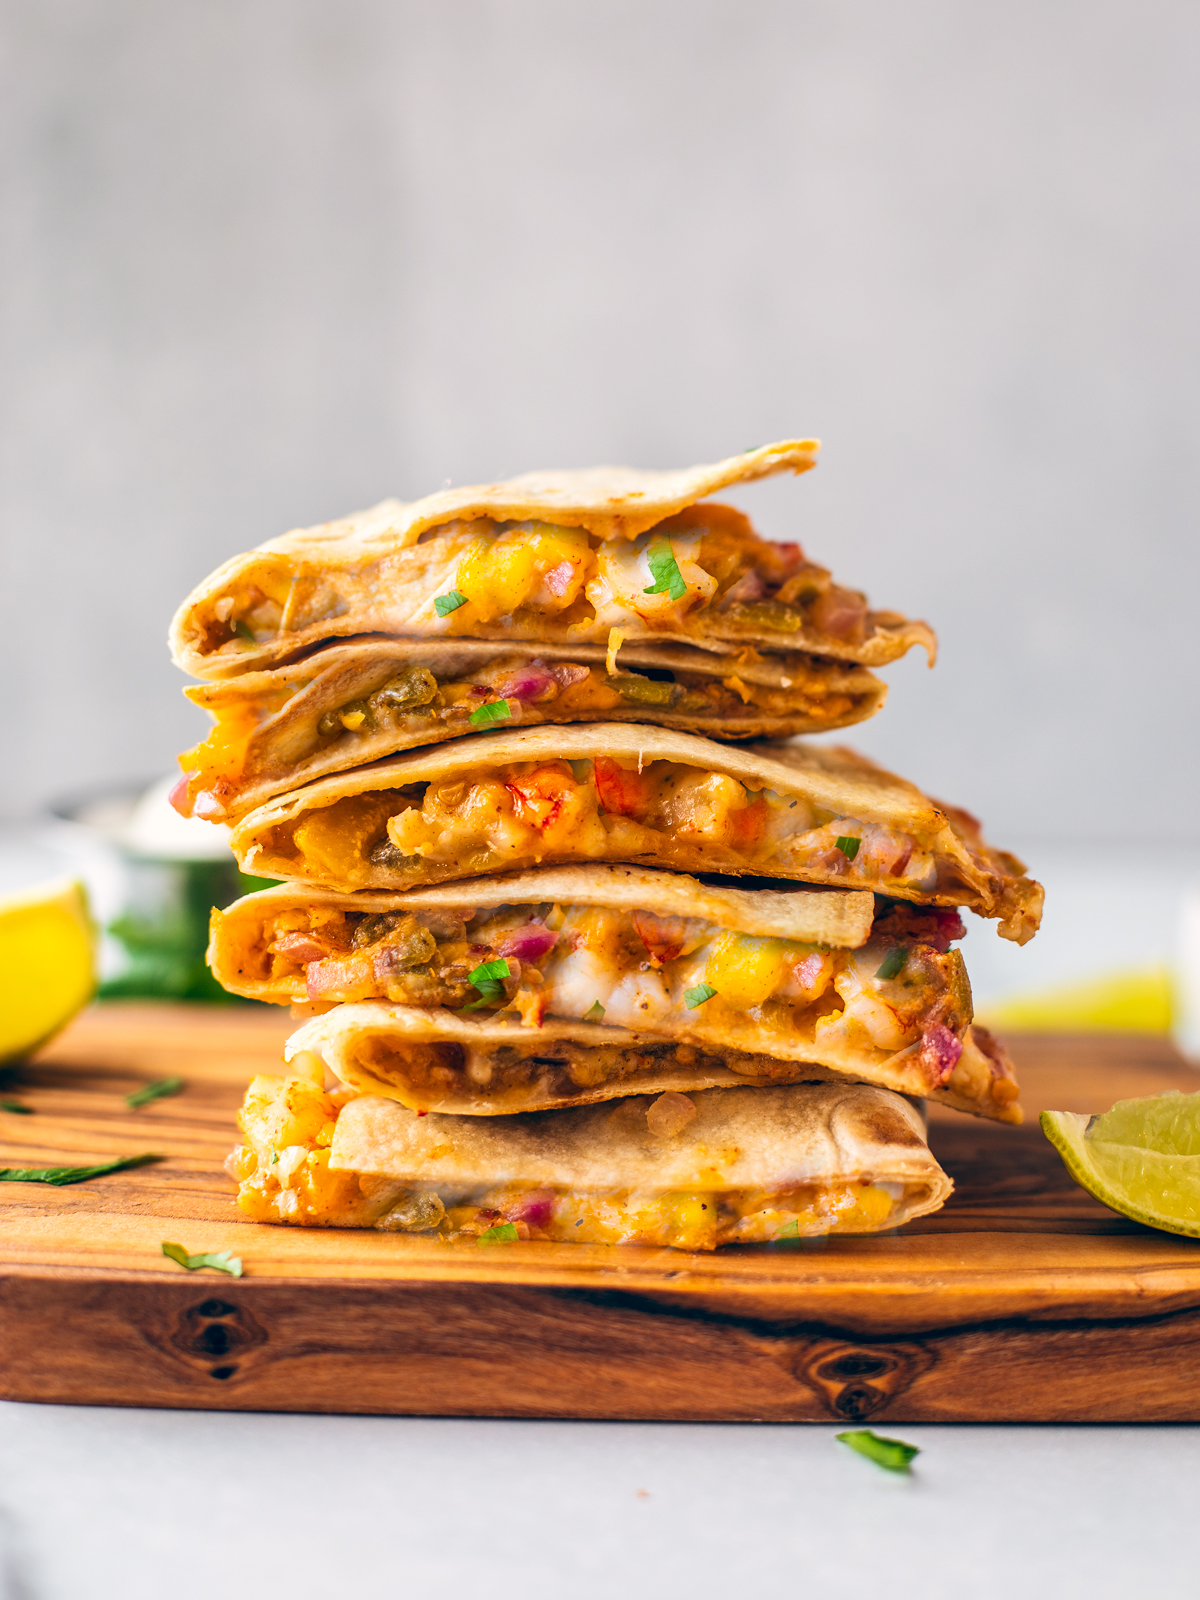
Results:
x,y
1142,1158
47,964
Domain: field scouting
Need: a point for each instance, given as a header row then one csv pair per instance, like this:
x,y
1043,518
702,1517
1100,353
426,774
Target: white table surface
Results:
x,y
199,1506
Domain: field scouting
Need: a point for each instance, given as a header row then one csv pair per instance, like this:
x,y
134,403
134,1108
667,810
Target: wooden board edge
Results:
x,y
444,1349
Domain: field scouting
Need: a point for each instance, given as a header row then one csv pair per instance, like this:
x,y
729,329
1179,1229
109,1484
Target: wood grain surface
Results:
x,y
1023,1299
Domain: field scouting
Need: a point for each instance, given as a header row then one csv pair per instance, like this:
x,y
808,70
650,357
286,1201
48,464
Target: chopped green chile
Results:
x,y
893,964
645,691
415,686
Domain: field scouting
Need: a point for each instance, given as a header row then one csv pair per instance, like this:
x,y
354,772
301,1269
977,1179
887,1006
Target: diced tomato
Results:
x,y
622,792
746,825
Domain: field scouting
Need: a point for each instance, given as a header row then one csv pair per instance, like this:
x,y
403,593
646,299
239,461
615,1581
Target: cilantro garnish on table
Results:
x,y
153,1091
61,1176
892,1454
216,1261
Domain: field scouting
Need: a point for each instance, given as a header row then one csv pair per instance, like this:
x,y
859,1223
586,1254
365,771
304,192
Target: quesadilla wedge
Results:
x,y
650,796
556,557
349,704
483,1063
692,1172
798,974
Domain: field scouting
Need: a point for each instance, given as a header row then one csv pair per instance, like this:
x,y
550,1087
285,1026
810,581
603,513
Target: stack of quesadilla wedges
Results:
x,y
590,947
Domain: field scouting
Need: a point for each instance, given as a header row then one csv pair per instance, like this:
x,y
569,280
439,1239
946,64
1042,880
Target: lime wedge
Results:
x,y
47,964
1142,1158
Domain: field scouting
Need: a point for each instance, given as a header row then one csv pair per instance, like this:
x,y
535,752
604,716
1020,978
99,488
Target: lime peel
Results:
x,y
1141,1159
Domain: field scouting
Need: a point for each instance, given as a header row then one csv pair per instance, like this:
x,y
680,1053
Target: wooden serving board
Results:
x,y
1022,1300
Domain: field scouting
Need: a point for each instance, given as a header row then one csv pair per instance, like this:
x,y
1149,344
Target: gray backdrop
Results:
x,y
265,262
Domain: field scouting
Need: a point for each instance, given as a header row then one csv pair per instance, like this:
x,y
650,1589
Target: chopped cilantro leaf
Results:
x,y
790,1230
487,979
154,1091
893,1454
60,1176
502,1233
243,630
444,604
697,996
894,962
219,1261
594,1013
493,711
848,845
16,1107
665,569
490,970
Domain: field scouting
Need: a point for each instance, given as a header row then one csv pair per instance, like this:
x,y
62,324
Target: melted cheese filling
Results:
x,y
495,819
283,1175
630,969
537,579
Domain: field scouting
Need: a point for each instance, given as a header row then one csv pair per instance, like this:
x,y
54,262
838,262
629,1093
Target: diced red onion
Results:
x,y
528,943
568,674
840,613
534,1209
302,947
530,685
179,795
558,579
940,1050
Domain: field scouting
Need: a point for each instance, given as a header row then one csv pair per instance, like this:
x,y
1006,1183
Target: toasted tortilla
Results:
x,y
382,570
693,1172
361,838
487,1064
238,956
270,740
